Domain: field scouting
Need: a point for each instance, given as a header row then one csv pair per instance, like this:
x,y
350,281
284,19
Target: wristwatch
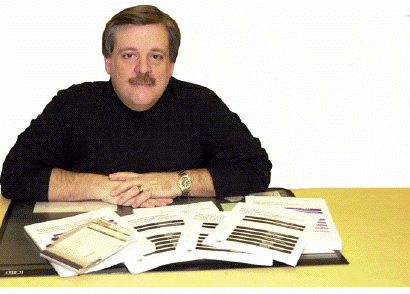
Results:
x,y
184,183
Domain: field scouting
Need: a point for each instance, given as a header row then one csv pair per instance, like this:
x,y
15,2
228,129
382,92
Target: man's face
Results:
x,y
139,65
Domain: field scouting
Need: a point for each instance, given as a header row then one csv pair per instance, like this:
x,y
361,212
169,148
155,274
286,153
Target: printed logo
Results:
x,y
14,273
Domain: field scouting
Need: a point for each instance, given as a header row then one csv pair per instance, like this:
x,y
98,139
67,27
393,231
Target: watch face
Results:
x,y
185,181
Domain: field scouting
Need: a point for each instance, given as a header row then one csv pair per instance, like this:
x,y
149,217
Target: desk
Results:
x,y
374,225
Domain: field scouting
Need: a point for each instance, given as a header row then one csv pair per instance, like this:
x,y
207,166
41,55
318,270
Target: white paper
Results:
x,y
199,225
183,208
325,237
46,232
276,233
162,226
267,193
82,206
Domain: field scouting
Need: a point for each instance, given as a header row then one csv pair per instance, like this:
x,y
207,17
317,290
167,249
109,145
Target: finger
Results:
x,y
156,203
160,202
166,200
158,192
122,188
149,203
132,193
138,199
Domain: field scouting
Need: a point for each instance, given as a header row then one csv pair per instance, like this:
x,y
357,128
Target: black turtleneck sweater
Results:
x,y
86,128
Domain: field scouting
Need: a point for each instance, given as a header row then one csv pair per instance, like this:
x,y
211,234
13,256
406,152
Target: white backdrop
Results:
x,y
323,85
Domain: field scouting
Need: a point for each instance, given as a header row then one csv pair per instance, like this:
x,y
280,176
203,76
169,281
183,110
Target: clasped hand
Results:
x,y
145,190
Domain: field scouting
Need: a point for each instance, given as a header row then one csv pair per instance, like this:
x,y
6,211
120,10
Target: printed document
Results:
x,y
162,226
325,237
275,233
199,225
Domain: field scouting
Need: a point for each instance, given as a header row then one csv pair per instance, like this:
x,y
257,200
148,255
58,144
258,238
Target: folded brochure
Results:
x,y
87,245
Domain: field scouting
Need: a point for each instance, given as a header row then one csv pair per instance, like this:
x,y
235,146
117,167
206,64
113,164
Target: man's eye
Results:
x,y
128,55
157,56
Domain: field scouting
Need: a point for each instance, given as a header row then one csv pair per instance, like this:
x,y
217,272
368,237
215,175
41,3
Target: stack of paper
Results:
x,y
47,232
259,231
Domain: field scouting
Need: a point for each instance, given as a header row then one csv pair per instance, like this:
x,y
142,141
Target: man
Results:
x,y
139,140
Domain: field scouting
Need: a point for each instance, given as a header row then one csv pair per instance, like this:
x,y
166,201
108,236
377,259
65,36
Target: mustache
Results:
x,y
142,80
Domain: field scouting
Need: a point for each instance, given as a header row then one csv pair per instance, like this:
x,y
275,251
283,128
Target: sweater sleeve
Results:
x,y
27,168
237,162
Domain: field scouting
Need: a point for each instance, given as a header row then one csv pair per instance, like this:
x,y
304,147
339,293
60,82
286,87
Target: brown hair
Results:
x,y
141,15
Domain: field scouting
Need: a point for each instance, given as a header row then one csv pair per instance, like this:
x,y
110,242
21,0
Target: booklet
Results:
x,y
325,237
87,245
202,223
275,233
162,226
47,232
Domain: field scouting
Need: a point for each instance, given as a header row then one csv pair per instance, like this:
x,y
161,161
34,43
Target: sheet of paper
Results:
x,y
82,206
325,237
276,233
162,226
199,225
162,229
183,208
46,232
269,194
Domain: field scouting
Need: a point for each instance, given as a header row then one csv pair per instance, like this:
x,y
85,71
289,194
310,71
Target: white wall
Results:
x,y
325,86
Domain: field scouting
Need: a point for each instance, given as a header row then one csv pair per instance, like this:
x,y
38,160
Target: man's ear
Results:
x,y
107,62
172,68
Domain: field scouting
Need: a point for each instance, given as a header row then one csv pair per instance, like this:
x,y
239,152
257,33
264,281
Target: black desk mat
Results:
x,y
19,256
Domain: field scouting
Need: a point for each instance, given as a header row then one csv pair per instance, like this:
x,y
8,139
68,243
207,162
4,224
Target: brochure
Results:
x,y
275,233
87,245
325,237
47,232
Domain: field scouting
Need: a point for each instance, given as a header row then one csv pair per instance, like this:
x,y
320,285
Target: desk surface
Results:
x,y
374,225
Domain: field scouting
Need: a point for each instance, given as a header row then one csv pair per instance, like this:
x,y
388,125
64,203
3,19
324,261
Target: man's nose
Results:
x,y
143,66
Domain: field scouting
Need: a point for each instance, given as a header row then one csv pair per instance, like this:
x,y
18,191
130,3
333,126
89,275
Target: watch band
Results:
x,y
184,183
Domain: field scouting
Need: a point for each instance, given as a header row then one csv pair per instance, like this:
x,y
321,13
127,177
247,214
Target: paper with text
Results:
x,y
325,237
276,233
199,225
162,226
